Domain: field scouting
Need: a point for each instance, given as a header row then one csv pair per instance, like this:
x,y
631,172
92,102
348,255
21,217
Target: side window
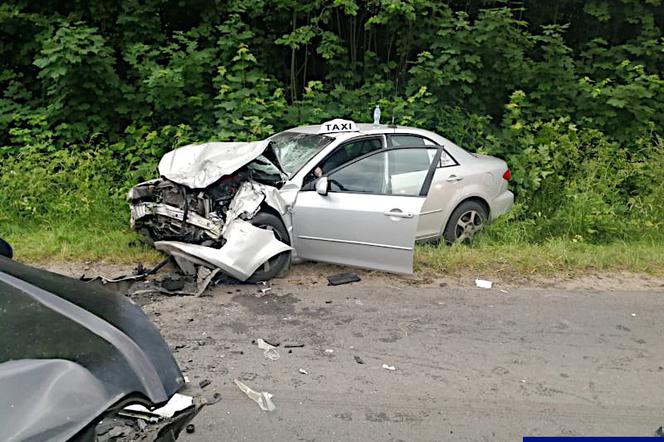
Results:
x,y
390,172
349,151
409,141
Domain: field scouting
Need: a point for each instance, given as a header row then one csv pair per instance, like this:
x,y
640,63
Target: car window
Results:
x,y
294,149
409,141
349,151
391,172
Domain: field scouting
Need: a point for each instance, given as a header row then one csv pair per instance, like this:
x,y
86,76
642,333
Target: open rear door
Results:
x,y
367,213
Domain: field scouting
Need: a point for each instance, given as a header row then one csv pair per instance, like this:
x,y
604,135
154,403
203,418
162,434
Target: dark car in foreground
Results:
x,y
73,356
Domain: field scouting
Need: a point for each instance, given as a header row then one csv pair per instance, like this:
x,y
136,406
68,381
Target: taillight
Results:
x,y
507,175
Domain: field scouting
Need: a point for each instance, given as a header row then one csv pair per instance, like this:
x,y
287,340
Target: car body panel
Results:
x,y
352,229
372,230
93,331
199,165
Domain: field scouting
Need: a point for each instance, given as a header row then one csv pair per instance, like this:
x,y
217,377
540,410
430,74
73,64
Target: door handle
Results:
x,y
398,213
454,178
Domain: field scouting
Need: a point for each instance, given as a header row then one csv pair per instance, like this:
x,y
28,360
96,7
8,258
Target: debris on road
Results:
x,y
264,287
263,399
483,283
204,383
270,351
190,428
303,371
659,432
358,360
329,351
389,367
343,278
293,345
215,398
175,405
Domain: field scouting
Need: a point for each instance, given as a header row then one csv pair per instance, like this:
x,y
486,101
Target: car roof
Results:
x,y
366,129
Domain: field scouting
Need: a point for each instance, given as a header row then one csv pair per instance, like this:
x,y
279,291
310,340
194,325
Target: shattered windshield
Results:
x,y
295,149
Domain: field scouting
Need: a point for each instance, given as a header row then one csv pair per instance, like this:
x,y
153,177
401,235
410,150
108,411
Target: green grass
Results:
x,y
564,258
64,242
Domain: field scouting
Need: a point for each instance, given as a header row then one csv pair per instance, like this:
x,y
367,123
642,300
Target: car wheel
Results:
x,y
466,220
279,263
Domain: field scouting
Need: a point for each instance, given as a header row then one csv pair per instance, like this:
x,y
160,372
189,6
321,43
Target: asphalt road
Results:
x,y
470,364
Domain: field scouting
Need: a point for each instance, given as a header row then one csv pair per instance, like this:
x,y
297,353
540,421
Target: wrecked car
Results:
x,y
73,358
339,192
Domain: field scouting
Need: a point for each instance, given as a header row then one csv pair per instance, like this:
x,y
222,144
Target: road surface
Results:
x,y
470,364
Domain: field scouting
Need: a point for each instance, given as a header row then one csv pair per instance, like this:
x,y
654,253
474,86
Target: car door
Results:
x,y
445,187
369,214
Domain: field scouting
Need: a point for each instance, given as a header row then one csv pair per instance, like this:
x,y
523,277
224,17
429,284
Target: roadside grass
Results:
x,y
563,258
112,244
64,242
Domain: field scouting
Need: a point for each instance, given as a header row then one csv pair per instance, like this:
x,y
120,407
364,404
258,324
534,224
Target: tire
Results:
x,y
279,263
466,221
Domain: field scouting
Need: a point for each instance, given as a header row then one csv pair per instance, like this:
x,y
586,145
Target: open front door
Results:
x,y
367,214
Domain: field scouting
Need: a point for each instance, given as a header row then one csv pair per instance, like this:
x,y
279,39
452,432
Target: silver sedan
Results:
x,y
339,192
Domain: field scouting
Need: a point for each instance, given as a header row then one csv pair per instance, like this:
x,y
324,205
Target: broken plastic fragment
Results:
x,y
269,350
176,404
389,367
483,283
303,371
263,399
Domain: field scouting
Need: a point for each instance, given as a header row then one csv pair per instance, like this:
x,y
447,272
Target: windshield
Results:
x,y
295,149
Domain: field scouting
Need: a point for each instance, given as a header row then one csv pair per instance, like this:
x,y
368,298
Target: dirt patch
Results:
x,y
315,275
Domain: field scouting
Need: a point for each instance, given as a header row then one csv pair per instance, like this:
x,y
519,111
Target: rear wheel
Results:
x,y
466,220
278,263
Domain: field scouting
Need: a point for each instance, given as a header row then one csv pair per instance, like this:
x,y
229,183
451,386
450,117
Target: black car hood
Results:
x,y
69,351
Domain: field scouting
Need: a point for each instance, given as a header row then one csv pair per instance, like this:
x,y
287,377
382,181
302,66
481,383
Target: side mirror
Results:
x,y
322,186
5,249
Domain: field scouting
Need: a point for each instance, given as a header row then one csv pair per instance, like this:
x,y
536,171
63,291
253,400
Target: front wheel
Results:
x,y
278,263
466,220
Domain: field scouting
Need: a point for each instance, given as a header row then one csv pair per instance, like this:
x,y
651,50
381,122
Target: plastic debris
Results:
x,y
329,351
269,351
358,360
293,345
343,278
204,383
190,428
389,367
483,283
303,371
177,403
264,287
263,399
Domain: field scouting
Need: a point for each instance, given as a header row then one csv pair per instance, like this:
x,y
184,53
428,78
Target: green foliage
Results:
x,y
570,93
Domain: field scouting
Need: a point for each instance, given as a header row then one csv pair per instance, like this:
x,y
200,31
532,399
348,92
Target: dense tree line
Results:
x,y
570,92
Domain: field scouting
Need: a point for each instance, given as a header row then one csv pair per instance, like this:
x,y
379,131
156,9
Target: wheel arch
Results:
x,y
266,208
478,199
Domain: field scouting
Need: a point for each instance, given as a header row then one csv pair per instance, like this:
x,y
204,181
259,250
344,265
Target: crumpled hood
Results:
x,y
199,165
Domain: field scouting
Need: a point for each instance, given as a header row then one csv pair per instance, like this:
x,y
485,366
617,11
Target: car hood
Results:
x,y
197,166
69,351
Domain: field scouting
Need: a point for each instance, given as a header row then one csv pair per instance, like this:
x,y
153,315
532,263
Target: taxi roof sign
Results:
x,y
337,125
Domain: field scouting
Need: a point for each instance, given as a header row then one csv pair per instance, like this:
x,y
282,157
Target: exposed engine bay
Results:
x,y
201,225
